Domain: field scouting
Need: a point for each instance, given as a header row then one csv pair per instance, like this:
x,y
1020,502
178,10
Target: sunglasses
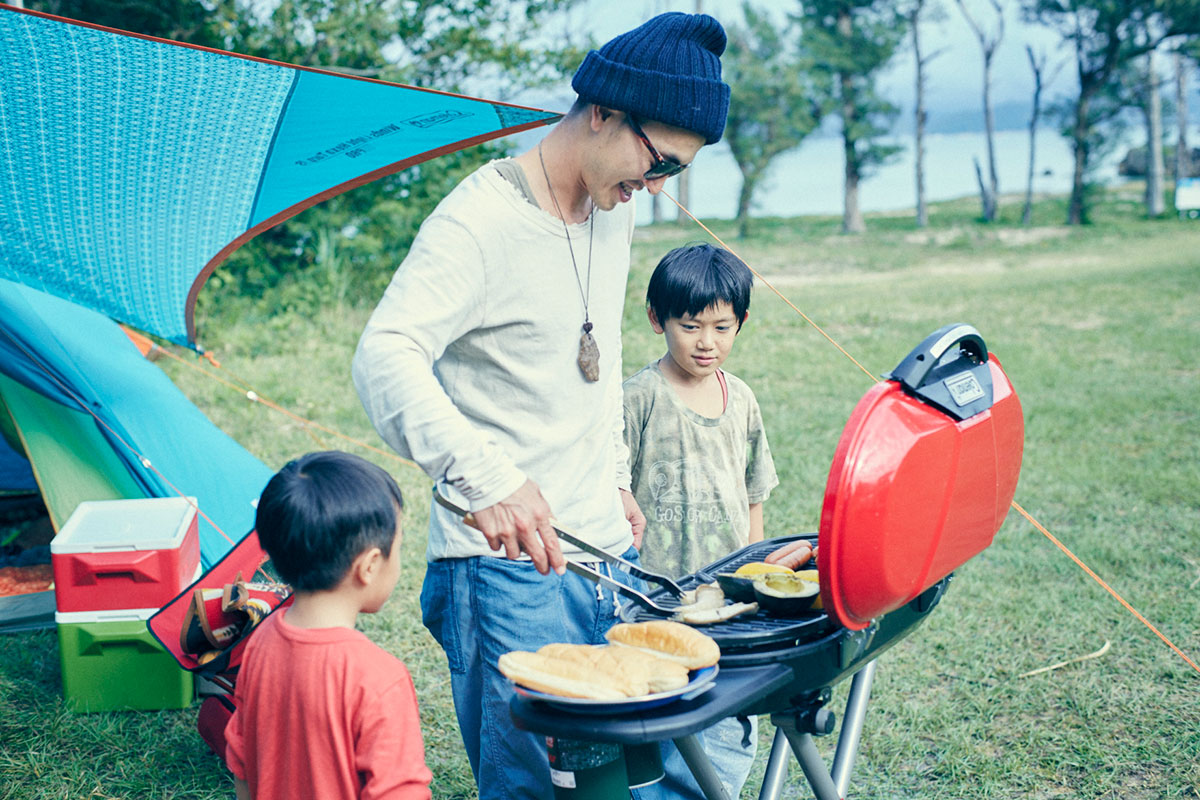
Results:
x,y
663,167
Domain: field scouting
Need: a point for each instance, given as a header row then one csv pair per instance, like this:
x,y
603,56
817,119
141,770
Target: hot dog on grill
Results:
x,y
793,555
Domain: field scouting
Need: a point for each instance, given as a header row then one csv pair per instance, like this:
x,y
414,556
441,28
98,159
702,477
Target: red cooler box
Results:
x,y
122,554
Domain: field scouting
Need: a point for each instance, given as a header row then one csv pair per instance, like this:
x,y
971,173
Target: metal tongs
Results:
x,y
595,576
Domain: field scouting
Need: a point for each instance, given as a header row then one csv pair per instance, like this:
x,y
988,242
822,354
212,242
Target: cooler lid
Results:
x,y
922,478
102,526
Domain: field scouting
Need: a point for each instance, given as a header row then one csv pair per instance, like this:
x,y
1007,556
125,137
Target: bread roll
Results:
x,y
661,674
639,672
559,676
671,640
632,682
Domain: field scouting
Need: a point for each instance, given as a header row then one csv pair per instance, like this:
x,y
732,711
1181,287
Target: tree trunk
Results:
x,y
989,209
988,42
1183,156
989,122
683,198
684,194
919,145
852,218
1027,212
655,208
1076,210
743,213
1155,205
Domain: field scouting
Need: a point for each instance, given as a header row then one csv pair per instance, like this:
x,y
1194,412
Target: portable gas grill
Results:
x,y
921,481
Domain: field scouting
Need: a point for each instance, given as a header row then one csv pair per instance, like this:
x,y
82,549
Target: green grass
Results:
x,y
1097,327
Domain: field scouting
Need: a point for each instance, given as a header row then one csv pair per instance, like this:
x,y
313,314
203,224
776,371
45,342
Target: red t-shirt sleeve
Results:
x,y
390,750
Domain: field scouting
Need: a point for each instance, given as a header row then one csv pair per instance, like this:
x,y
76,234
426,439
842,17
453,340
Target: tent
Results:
x,y
98,421
92,419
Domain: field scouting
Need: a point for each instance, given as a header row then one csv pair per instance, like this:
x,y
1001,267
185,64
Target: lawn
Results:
x,y
1098,329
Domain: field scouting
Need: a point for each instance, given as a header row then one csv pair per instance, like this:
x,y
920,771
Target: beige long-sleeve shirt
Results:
x,y
468,364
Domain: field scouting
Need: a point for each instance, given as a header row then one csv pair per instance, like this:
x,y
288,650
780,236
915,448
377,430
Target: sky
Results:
x,y
954,78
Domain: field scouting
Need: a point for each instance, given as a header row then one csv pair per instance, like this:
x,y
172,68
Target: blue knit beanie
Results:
x,y
667,69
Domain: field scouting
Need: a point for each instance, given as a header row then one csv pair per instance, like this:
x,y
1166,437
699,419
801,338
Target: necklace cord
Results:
x,y
585,296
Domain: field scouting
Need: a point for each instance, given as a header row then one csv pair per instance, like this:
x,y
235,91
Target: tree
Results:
x,y
1140,88
776,102
989,40
1183,165
850,42
1152,108
1037,63
684,189
479,46
1105,36
932,12
180,20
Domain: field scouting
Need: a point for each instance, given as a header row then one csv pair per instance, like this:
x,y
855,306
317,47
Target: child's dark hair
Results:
x,y
321,511
691,278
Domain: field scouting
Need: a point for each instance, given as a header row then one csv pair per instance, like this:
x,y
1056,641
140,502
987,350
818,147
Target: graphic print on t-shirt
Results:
x,y
689,483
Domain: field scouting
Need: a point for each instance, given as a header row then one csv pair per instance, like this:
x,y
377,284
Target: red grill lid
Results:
x,y
922,477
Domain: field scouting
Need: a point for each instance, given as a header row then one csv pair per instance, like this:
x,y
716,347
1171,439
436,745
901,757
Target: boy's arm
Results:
x,y
631,435
756,522
242,788
760,470
390,752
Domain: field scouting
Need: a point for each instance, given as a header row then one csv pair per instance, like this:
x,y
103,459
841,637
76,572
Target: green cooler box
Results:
x,y
110,662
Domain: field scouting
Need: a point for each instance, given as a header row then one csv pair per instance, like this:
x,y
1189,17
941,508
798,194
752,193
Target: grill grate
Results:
x,y
746,635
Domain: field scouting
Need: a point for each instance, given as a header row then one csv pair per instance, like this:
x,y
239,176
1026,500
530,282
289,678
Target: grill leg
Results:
x,y
702,769
852,727
777,764
810,760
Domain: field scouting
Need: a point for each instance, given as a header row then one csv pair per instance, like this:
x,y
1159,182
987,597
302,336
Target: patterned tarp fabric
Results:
x,y
134,165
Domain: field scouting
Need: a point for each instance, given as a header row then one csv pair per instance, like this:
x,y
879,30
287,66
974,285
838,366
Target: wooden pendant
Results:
x,y
589,354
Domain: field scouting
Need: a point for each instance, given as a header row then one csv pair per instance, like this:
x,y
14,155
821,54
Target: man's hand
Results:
x,y
633,513
521,522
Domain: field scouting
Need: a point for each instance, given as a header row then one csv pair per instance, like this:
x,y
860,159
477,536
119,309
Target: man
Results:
x,y
494,361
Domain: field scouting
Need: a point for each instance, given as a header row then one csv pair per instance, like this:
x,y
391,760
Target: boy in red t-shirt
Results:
x,y
323,712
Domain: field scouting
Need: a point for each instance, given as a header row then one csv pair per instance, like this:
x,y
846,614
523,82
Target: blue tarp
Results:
x,y
133,166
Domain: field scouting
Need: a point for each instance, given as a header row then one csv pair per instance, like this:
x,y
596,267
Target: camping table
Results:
x,y
734,689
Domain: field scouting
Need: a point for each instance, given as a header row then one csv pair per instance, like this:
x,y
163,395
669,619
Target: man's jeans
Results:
x,y
480,608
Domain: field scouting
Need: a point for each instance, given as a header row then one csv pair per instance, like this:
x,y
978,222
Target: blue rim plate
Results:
x,y
701,681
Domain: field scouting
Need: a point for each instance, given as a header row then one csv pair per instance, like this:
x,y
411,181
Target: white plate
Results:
x,y
701,681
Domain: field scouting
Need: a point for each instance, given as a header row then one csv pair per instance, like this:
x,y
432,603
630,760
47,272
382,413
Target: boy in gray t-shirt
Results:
x,y
698,454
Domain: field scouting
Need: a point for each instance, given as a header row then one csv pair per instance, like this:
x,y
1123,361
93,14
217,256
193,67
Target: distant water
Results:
x,y
808,180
